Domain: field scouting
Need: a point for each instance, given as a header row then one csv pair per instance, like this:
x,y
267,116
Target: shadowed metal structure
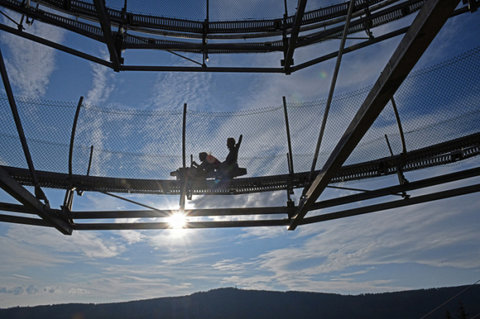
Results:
x,y
431,17
121,30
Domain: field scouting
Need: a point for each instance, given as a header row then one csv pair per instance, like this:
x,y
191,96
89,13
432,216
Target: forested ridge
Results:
x,y
235,303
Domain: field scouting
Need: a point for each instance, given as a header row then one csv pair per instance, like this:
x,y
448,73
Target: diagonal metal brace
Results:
x,y
21,194
288,61
16,117
112,45
423,30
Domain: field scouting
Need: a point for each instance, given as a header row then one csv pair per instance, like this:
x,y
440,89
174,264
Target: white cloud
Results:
x,y
336,256
78,291
91,126
31,64
48,247
21,276
171,90
421,234
102,84
18,254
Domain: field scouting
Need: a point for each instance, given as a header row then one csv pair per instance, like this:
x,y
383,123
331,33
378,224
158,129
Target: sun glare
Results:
x,y
177,220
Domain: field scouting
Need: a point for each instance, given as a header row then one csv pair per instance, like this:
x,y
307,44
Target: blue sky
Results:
x,y
423,246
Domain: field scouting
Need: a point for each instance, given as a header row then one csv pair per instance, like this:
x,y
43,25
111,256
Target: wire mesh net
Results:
x,y
217,10
435,104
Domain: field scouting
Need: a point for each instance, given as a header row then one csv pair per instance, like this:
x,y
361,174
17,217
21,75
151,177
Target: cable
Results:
x,y
169,51
132,201
332,89
444,303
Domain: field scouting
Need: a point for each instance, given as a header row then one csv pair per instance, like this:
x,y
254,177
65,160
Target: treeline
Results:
x,y
234,303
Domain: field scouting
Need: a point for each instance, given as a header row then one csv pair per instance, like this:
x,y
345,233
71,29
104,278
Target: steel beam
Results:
x,y
393,204
21,134
161,213
332,87
96,33
14,208
423,30
17,191
24,220
55,45
288,61
394,190
200,69
208,69
351,48
439,154
190,212
209,224
107,33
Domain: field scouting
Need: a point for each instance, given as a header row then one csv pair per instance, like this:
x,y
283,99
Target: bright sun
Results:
x,y
177,220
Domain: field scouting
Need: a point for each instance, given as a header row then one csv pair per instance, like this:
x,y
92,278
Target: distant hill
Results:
x,y
231,303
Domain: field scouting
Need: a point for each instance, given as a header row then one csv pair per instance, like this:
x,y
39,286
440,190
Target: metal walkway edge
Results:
x,y
439,154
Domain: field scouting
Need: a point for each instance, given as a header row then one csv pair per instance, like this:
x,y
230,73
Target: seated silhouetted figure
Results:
x,y
229,168
208,165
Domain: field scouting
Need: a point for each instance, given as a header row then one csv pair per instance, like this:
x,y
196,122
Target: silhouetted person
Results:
x,y
209,163
230,164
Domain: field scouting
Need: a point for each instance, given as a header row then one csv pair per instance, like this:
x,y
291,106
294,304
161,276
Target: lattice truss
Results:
x,y
391,129
194,41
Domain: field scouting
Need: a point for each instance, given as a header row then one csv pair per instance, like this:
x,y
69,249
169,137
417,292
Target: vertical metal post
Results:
x,y
284,32
289,181
13,106
80,192
72,137
204,37
208,10
388,144
290,203
397,116
401,178
289,141
68,200
332,87
90,160
183,189
183,134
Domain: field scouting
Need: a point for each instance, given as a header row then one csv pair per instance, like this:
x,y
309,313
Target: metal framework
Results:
x,y
430,19
423,30
265,213
122,30
443,153
439,154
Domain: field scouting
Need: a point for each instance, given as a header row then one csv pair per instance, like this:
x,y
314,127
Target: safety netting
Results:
x,y
435,104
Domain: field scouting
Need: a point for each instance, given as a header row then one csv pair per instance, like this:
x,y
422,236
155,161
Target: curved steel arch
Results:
x,y
111,27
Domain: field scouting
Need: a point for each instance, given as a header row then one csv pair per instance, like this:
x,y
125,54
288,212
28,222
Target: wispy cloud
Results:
x,y
171,90
415,235
29,241
102,84
30,64
91,127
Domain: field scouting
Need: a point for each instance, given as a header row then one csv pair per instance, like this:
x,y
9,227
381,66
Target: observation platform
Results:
x,y
439,154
